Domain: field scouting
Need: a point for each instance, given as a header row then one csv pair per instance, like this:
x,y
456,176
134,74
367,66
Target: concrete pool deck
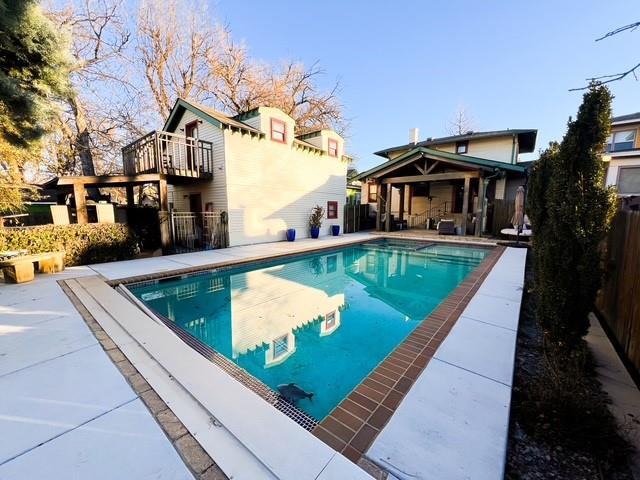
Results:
x,y
329,464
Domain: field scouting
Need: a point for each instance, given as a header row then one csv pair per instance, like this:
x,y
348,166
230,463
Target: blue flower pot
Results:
x,y
291,234
315,232
335,230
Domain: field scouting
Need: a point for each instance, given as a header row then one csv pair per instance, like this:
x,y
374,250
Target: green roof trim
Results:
x,y
444,156
246,115
304,136
214,117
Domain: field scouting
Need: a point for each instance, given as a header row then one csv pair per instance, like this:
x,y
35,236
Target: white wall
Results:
x,y
273,186
213,190
615,164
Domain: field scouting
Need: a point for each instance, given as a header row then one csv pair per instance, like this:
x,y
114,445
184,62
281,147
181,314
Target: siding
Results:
x,y
273,186
213,191
498,149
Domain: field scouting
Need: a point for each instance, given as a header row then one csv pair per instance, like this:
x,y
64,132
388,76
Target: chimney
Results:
x,y
413,136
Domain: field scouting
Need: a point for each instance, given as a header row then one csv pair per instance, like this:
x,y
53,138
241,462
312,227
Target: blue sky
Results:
x,y
407,64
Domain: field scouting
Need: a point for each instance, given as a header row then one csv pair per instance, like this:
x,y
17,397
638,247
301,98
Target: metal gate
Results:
x,y
196,231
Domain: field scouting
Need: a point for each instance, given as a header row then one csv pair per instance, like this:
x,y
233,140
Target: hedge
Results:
x,y
83,244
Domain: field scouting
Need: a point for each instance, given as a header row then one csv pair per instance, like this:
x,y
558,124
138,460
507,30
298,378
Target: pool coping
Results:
x,y
355,423
412,371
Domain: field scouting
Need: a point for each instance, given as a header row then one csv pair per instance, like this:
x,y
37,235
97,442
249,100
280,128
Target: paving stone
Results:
x,y
213,473
126,367
171,424
193,454
138,383
153,401
116,356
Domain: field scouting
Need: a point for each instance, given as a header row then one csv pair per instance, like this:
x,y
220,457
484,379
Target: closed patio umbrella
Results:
x,y
518,215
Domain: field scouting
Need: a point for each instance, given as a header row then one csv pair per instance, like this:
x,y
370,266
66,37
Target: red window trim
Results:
x,y
334,142
330,205
275,121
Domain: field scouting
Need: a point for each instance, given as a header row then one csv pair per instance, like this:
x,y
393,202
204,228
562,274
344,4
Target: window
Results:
x,y
278,131
373,193
333,147
624,140
332,209
462,147
280,346
629,180
330,320
332,263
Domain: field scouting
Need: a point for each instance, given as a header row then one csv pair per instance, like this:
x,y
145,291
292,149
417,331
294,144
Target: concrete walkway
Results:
x,y
65,409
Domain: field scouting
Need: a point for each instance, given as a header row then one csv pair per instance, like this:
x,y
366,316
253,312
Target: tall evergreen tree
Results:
x,y
33,72
570,207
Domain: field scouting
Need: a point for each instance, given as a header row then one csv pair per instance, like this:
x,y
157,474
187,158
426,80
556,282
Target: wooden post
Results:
x,y
482,188
465,204
163,216
130,196
378,206
410,199
79,194
387,209
401,206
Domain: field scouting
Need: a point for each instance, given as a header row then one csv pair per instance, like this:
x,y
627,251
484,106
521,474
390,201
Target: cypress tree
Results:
x,y
570,207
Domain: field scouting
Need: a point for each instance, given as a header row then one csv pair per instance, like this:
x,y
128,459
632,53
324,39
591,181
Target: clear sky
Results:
x,y
405,64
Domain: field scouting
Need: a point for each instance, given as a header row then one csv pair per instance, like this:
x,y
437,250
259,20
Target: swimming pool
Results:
x,y
313,326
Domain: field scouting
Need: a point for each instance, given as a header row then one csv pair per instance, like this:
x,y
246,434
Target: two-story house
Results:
x,y
456,177
623,155
253,166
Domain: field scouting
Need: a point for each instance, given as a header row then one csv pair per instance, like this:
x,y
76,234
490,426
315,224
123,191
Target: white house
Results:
x,y
623,156
253,166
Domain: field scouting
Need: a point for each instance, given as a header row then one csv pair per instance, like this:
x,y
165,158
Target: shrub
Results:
x,y
569,206
83,244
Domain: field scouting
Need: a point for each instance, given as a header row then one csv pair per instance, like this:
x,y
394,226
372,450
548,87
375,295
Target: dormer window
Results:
x,y
462,147
278,131
333,147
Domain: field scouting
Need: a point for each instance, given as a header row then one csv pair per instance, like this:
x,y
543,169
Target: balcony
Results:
x,y
169,154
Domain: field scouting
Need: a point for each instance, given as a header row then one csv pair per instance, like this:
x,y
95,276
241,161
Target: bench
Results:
x,y
21,268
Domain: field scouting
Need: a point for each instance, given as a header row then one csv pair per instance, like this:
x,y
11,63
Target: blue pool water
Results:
x,y
322,321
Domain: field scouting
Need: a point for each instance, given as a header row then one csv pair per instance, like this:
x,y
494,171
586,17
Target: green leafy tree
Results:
x,y
33,73
570,207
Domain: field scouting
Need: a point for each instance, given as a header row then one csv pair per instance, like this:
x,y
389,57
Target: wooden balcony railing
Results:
x,y
168,153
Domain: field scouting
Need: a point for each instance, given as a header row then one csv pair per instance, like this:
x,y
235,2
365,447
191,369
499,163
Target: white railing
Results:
x,y
168,153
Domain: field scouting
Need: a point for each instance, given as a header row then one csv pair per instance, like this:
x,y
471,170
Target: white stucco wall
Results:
x,y
614,165
273,186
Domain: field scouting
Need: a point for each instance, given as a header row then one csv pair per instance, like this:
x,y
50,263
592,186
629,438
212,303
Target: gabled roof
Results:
x,y
210,114
473,162
526,140
626,118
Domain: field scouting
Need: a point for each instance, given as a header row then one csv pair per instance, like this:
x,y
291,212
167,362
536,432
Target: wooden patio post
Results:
x,y
401,206
482,188
163,215
79,194
465,204
387,209
130,197
378,206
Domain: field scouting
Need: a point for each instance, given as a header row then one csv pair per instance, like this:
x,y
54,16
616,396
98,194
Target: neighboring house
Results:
x,y
423,182
252,166
623,155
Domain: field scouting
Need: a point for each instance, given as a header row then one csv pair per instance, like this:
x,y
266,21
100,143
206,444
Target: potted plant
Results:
x,y
315,221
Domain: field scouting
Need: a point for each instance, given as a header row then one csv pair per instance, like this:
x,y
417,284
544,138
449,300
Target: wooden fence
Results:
x,y
502,215
619,298
356,217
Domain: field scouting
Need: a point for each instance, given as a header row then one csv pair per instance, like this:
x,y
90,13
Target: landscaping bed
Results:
x,y
560,426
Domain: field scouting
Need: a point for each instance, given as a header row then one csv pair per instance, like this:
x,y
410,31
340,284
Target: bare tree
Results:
x,y
175,47
602,79
461,122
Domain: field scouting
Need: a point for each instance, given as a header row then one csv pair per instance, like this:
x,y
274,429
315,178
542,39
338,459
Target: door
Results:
x,y
191,132
195,202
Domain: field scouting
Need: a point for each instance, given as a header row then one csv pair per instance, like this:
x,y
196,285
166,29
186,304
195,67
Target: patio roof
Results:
x,y
420,152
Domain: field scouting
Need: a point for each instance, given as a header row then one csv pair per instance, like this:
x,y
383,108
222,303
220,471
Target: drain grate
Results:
x,y
301,418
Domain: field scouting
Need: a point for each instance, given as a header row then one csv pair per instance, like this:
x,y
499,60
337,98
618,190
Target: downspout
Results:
x,y
513,150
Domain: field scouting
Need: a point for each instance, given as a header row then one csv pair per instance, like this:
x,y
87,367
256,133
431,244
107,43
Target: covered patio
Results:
x,y
425,185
